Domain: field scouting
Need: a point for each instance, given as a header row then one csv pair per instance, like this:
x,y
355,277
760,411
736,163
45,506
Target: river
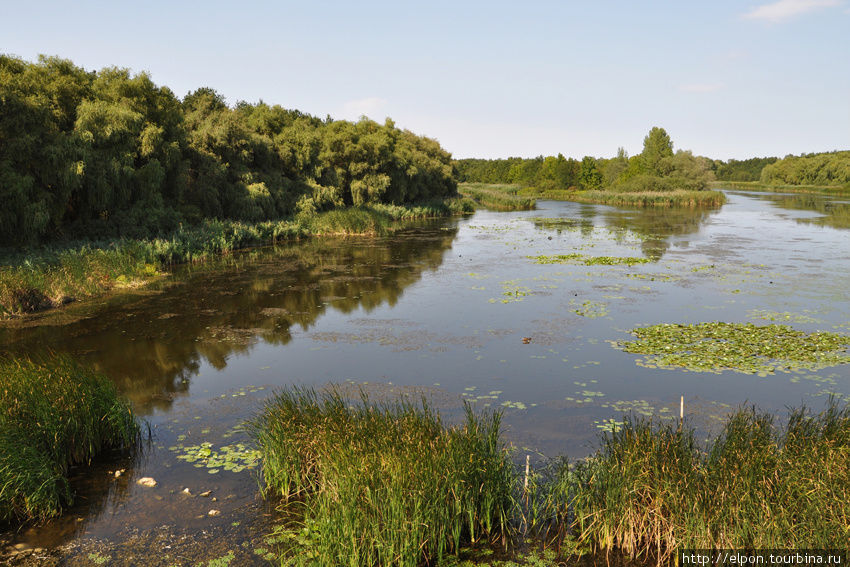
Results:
x,y
452,310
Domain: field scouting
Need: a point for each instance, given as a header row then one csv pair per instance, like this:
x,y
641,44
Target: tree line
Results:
x,y
656,168
110,153
825,169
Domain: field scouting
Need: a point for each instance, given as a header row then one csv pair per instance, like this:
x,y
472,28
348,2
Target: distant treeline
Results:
x,y
823,169
108,153
656,168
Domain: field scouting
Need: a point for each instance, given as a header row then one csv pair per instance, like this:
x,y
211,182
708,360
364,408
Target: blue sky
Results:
x,y
726,79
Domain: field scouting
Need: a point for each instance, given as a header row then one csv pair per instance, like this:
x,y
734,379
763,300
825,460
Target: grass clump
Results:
x,y
743,347
382,484
54,414
650,489
501,197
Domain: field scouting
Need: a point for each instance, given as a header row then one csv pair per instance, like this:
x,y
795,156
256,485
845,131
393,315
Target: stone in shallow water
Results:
x,y
146,481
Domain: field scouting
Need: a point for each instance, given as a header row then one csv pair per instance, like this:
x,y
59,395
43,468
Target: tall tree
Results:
x,y
656,146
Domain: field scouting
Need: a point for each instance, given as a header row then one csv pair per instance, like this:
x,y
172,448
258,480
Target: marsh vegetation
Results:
x,y
56,414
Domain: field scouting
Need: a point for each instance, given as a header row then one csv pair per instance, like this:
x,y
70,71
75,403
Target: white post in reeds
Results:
x,y
681,411
527,466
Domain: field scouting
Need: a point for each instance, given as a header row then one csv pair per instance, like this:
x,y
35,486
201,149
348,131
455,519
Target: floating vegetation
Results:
x,y
234,458
748,348
514,405
590,309
637,407
609,425
788,316
586,396
577,258
512,292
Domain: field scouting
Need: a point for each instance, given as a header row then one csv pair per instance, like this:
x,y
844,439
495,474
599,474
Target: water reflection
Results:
x,y
834,211
654,227
152,344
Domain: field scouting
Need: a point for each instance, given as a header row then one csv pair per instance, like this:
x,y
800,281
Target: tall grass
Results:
x,y
54,414
382,484
52,276
783,188
675,198
502,197
650,489
388,484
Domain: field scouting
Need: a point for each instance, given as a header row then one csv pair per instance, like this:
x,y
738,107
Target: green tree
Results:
x,y
657,145
589,177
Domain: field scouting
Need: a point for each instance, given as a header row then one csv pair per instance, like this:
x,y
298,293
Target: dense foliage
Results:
x,y
741,170
109,153
656,168
827,169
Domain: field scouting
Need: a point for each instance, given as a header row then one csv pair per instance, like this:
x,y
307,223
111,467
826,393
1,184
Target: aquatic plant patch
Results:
x,y
590,309
234,458
742,347
576,258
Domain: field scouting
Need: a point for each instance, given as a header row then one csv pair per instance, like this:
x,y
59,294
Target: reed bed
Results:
x,y
382,484
675,198
55,414
51,276
650,490
841,190
501,197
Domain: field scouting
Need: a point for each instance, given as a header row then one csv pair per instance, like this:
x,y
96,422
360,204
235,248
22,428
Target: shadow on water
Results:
x,y
152,343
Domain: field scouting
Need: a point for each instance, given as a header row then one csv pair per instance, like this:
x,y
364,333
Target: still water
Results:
x,y
451,310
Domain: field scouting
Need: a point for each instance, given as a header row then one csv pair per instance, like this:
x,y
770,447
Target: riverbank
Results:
x,y
47,277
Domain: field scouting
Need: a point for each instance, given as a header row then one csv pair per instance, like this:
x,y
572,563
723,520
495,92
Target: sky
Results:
x,y
726,79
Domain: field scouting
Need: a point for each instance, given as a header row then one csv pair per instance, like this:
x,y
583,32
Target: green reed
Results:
x,y
650,489
502,197
675,198
54,414
382,484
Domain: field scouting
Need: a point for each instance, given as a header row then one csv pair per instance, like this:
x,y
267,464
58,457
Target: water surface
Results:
x,y
453,310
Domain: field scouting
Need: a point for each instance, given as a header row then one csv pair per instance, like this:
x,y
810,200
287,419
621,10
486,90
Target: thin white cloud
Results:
x,y
371,107
701,87
786,9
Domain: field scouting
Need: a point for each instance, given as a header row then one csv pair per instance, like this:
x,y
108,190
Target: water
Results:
x,y
453,310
